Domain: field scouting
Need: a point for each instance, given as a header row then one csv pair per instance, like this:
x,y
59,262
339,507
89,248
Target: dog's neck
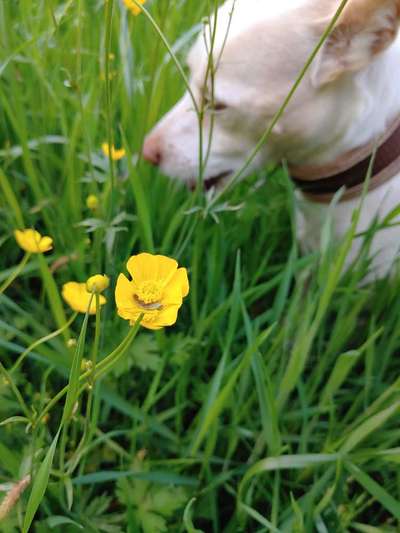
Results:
x,y
371,108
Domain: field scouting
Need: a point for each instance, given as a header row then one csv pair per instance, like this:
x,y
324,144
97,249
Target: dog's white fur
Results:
x,y
348,97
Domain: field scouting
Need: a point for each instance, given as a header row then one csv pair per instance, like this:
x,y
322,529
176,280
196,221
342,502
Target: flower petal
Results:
x,y
128,313
77,297
167,316
176,289
125,301
148,267
182,277
124,296
147,324
46,244
31,241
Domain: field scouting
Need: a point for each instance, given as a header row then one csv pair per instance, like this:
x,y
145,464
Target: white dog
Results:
x,y
347,105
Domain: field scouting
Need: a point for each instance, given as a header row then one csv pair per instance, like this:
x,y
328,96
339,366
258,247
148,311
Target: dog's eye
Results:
x,y
217,105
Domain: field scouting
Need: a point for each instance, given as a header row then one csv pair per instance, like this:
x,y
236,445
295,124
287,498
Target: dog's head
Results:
x,y
258,49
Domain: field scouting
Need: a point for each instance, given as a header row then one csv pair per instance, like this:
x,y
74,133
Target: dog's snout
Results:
x,y
152,150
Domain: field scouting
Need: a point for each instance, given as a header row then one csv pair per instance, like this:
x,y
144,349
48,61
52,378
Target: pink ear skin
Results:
x,y
365,29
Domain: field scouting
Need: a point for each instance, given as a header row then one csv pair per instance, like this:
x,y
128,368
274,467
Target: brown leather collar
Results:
x,y
320,184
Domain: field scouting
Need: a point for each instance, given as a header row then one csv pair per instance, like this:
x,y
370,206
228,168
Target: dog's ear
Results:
x,y
365,28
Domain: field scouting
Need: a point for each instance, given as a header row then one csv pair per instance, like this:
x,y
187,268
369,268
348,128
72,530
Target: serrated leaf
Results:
x,y
167,500
152,523
58,520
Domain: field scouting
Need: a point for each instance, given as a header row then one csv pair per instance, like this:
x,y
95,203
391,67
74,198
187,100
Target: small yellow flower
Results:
x,y
115,153
78,298
157,289
97,283
111,76
133,7
92,202
31,241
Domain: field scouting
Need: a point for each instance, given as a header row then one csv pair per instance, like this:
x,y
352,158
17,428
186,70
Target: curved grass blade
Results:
x,y
40,483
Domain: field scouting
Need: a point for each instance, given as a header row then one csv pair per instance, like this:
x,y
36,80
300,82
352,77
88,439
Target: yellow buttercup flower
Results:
x,y
97,283
115,153
92,202
157,289
78,298
31,241
133,7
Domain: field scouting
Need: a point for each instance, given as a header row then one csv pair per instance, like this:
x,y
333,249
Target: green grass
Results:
x,y
272,405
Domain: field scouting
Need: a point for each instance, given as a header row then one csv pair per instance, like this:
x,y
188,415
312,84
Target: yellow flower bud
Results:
x,y
32,241
79,299
92,202
86,365
71,343
97,283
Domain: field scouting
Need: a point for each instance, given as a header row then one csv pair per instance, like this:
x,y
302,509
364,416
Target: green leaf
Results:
x,y
152,523
259,518
220,402
53,296
216,382
341,370
75,372
40,483
15,420
57,521
151,504
166,501
9,459
368,427
187,518
376,490
286,462
11,199
164,478
298,523
144,355
365,528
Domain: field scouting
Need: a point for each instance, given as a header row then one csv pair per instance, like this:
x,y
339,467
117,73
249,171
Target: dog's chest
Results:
x,y
313,217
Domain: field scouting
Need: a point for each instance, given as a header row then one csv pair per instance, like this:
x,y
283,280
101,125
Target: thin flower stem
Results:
x,y
90,422
53,296
173,57
40,341
149,400
8,379
15,273
87,143
108,362
103,366
110,140
73,386
197,107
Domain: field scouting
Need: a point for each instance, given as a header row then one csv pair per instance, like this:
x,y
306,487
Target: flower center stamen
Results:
x,y
148,295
